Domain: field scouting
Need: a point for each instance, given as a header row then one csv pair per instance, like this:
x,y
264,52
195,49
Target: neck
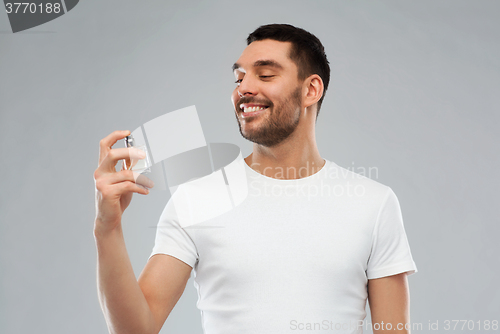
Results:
x,y
294,158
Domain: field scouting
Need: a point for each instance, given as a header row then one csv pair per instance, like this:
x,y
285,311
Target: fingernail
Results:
x,y
142,154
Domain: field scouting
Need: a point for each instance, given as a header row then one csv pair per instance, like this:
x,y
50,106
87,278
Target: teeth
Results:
x,y
251,109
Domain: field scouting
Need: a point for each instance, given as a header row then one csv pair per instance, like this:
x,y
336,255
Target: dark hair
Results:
x,y
307,52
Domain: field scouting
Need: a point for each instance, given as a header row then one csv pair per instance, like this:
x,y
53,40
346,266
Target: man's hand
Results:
x,y
114,189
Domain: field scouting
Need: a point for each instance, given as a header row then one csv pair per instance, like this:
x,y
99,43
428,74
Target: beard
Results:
x,y
281,122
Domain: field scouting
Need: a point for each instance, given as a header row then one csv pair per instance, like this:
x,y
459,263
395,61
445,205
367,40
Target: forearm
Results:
x,y
124,306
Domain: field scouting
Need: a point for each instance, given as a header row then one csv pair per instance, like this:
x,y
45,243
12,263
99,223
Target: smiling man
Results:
x,y
280,87
307,248
281,78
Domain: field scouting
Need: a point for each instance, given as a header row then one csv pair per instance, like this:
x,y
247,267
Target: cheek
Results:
x,y
275,93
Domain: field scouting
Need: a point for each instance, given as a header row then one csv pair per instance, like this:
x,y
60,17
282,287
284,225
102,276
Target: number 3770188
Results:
x,y
32,8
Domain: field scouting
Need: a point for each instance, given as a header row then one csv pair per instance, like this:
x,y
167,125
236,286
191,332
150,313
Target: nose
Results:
x,y
247,87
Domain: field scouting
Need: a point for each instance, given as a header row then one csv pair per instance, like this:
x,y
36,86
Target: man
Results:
x,y
305,250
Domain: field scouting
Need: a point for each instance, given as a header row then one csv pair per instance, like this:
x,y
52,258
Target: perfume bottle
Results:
x,y
142,166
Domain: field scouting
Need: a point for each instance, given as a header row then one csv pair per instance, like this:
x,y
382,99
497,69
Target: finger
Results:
x,y
121,188
114,155
128,175
107,142
127,164
142,180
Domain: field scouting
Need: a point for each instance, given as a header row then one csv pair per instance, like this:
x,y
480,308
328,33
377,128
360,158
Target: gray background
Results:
x,y
412,93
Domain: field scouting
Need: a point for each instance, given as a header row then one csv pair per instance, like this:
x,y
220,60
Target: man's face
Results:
x,y
267,98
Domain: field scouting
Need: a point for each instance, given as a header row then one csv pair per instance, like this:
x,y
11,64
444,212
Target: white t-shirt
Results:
x,y
294,256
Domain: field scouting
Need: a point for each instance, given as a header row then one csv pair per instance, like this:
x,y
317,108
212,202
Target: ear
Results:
x,y
313,90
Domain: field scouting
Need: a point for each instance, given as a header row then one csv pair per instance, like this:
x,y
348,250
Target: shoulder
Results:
x,y
361,180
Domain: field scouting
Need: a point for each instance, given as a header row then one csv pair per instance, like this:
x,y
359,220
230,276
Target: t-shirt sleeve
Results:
x,y
172,239
390,253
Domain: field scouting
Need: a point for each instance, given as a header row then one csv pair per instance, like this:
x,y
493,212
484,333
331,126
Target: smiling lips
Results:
x,y
252,107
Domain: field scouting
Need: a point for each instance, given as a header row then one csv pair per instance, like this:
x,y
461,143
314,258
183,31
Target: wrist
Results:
x,y
102,230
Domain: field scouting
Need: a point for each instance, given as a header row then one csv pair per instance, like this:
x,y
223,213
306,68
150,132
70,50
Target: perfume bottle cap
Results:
x,y
129,141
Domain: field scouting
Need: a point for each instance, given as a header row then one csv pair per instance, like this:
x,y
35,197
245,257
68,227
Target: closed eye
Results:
x,y
261,76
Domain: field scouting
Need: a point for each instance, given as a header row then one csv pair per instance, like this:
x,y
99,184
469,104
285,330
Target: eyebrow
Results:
x,y
260,63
